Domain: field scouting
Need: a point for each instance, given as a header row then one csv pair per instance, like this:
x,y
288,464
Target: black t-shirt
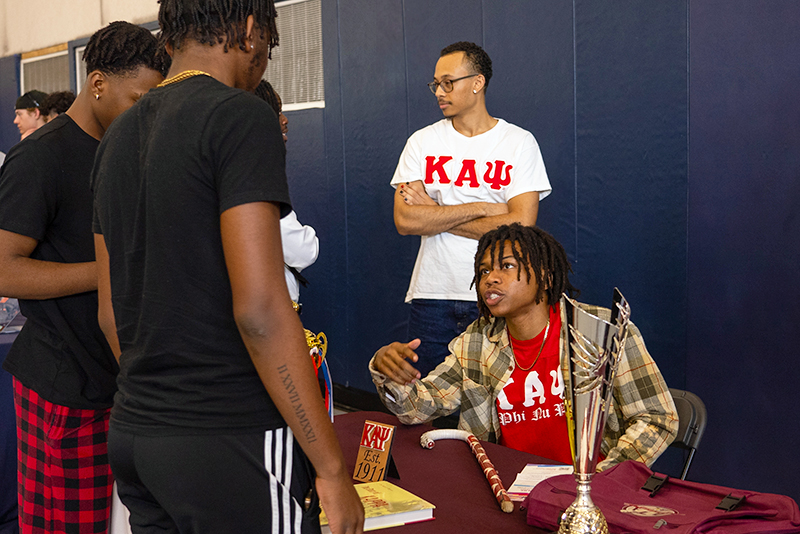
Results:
x,y
61,352
165,171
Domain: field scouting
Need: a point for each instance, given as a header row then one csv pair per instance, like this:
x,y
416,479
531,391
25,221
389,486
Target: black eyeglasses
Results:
x,y
447,85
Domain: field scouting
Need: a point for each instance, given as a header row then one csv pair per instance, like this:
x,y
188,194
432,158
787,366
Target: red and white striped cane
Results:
x,y
427,441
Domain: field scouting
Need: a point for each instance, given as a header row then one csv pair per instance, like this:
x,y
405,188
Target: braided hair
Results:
x,y
121,47
542,257
215,21
476,56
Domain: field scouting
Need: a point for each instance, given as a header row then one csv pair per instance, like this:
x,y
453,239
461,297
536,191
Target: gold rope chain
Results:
x,y
182,76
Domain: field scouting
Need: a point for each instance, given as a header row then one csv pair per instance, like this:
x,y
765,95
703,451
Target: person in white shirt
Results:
x,y
300,250
457,179
299,241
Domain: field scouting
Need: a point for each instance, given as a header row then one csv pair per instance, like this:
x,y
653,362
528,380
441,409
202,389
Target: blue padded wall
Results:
x,y
531,45
630,72
9,92
374,126
744,240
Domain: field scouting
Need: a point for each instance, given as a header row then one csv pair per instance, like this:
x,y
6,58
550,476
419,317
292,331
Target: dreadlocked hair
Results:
x,y
121,47
538,252
266,92
476,56
216,21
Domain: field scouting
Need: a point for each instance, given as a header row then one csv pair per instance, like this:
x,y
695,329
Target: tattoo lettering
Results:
x,y
294,400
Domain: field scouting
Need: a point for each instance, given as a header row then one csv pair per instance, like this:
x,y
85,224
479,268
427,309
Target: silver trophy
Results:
x,y
595,347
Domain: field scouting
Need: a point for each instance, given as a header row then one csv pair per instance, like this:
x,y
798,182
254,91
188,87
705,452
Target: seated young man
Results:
x,y
505,372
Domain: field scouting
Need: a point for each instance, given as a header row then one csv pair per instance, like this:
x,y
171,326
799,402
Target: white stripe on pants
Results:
x,y
280,444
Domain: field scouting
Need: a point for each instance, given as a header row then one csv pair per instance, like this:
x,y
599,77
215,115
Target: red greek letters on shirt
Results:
x,y
468,172
438,167
497,181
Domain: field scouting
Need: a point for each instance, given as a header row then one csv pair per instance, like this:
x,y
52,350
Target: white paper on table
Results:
x,y
531,475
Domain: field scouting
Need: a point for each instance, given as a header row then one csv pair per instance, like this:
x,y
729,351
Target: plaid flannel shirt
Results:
x,y
642,422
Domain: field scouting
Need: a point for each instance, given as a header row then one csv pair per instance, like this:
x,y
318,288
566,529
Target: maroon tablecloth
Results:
x,y
447,476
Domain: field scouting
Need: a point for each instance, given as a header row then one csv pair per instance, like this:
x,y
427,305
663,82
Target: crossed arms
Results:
x,y
416,213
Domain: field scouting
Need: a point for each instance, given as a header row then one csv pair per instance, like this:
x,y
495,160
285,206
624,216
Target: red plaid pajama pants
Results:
x,y
63,480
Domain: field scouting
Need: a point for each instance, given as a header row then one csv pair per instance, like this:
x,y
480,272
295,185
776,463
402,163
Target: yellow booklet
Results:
x,y
387,505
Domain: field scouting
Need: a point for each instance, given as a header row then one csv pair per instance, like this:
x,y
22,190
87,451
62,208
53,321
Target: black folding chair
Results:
x,y
692,418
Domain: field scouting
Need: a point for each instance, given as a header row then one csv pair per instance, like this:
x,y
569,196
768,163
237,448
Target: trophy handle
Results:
x,y
619,304
568,391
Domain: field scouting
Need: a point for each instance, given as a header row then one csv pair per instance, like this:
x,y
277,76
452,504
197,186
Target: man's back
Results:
x,y
202,148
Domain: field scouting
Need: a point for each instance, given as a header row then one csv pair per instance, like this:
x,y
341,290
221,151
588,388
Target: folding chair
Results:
x,y
692,418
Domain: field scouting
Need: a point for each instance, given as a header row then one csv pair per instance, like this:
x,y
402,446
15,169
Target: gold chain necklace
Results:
x,y
546,332
183,76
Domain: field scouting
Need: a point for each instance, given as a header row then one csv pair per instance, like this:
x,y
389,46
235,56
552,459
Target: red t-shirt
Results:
x,y
531,405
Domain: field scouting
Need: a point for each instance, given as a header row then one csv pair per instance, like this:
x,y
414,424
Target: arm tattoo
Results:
x,y
297,406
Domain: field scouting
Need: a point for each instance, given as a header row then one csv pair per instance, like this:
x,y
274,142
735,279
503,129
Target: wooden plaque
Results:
x,y
374,460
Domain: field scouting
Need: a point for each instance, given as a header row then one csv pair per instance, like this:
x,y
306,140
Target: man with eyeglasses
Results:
x,y
456,180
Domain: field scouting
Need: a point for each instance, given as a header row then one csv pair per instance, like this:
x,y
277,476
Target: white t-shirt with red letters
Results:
x,y
494,166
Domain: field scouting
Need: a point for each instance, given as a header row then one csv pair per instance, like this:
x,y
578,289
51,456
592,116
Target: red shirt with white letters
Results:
x,y
531,405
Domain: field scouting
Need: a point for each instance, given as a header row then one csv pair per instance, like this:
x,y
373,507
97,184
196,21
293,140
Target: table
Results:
x,y
447,476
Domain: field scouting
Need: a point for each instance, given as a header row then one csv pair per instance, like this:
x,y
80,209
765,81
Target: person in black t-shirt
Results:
x,y
216,387
64,371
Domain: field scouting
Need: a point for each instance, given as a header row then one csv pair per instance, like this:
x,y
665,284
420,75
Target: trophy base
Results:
x,y
582,520
583,516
